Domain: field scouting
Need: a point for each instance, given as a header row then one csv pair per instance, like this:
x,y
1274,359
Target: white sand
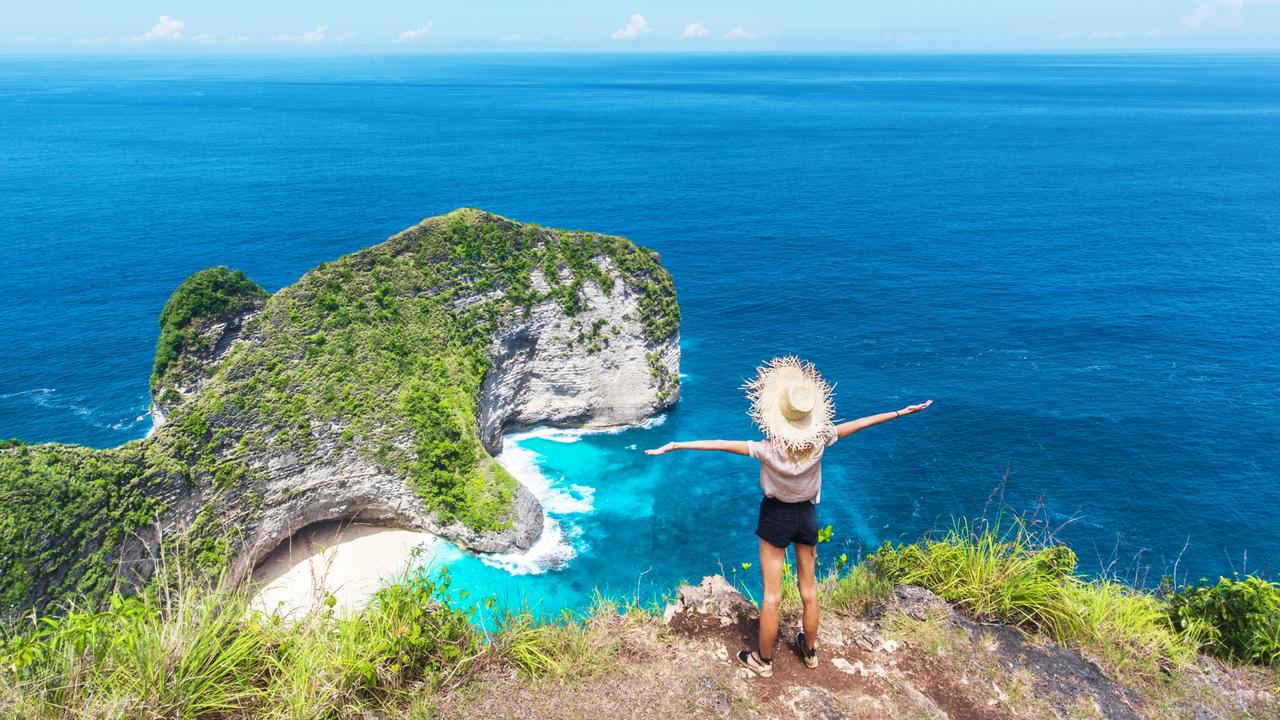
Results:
x,y
348,561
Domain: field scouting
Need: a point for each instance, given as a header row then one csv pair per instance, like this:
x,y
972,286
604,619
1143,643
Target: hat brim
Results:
x,y
766,392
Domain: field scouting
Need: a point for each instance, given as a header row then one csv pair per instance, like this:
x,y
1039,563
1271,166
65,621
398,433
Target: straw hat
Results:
x,y
790,403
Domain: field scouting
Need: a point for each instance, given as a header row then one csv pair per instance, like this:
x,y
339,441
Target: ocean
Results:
x,y
1075,256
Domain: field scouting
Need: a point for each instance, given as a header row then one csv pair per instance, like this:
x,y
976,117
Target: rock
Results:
x,y
844,666
830,636
915,602
812,703
712,599
714,696
541,376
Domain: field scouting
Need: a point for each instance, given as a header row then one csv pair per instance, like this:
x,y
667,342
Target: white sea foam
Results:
x,y
157,419
561,539
51,399
568,435
551,552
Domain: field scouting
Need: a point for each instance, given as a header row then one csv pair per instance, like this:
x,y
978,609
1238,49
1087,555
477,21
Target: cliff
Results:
x,y
375,388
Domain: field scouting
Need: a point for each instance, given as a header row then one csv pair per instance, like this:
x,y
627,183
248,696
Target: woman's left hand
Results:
x,y
915,408
661,450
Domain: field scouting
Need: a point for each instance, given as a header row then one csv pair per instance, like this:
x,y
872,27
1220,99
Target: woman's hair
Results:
x,y
799,455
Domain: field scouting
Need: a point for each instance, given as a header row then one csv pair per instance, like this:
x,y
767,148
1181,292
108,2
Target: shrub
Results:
x,y
853,592
1239,617
210,292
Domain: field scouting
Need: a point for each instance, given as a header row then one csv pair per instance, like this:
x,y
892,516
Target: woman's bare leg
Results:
x,y
771,560
806,570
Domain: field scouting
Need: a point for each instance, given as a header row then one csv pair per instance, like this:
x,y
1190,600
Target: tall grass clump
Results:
x,y
570,645
196,652
1011,574
854,591
186,655
1131,628
994,574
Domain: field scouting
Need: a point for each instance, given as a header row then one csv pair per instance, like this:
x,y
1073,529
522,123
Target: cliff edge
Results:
x,y
375,388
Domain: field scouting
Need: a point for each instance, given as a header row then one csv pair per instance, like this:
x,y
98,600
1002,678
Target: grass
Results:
x,y
191,653
1007,574
853,592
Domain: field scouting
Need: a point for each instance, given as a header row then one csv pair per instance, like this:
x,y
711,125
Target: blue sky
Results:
x,y
328,26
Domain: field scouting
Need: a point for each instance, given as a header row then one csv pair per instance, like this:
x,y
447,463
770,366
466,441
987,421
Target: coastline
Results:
x,y
348,562
351,561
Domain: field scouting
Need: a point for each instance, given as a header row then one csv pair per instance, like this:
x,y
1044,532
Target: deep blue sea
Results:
x,y
1076,256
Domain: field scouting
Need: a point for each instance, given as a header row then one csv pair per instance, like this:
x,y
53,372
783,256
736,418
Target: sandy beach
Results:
x,y
348,561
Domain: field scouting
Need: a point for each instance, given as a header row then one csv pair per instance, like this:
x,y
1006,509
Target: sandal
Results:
x,y
752,661
810,657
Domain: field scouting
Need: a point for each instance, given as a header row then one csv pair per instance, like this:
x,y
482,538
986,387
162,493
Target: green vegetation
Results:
x,y
1009,575
68,512
181,651
1239,617
658,370
177,650
380,352
211,293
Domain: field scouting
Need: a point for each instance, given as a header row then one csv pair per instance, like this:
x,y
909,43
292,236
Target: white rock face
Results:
x,y
594,369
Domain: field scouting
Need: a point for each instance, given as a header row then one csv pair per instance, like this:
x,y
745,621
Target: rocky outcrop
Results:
x,y
214,338
376,388
909,655
593,368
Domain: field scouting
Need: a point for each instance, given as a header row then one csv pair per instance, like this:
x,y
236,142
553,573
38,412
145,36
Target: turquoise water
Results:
x,y
1075,256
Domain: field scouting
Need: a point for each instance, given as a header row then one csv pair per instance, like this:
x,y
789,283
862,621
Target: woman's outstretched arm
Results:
x,y
853,426
737,447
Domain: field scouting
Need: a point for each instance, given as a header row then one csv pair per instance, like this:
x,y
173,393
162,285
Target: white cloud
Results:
x,y
409,36
693,31
166,28
740,34
314,37
517,37
636,26
1106,35
1216,13
30,40
211,39
91,41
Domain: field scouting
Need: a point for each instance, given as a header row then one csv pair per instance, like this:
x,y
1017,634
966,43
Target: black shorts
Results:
x,y
783,523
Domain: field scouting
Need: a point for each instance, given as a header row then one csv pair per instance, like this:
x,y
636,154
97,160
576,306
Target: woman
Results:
x,y
791,404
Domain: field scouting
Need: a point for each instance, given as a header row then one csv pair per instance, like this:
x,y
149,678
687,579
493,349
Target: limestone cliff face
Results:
x,y
548,369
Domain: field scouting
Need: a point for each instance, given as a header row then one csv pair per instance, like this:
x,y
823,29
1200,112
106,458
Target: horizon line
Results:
x,y
524,50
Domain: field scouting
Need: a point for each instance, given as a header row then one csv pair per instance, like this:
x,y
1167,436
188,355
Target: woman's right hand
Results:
x,y
661,450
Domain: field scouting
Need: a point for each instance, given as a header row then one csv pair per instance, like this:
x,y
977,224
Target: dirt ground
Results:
x,y
913,658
